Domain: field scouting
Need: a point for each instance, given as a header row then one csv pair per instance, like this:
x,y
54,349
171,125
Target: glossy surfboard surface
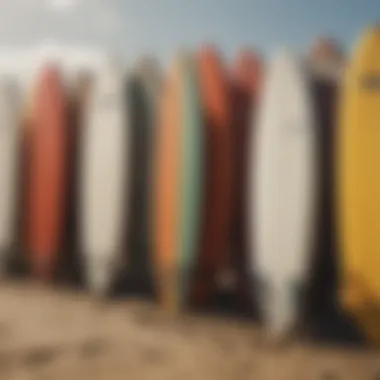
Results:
x,y
144,86
214,262
47,172
359,185
10,104
283,192
178,183
246,79
104,182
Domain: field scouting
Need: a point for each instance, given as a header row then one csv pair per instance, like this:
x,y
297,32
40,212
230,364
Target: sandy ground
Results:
x,y
50,334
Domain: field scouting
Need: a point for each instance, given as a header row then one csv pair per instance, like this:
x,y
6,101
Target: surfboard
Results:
x,y
79,93
359,185
245,80
325,63
47,172
178,183
144,86
282,192
104,184
214,263
23,179
192,175
9,161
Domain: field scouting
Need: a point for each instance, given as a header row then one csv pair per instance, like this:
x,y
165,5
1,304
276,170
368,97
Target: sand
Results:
x,y
57,334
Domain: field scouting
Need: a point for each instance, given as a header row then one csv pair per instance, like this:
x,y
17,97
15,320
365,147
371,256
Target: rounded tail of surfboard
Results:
x,y
99,274
279,310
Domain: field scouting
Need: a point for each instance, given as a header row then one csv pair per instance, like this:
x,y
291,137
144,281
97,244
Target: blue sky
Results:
x,y
133,27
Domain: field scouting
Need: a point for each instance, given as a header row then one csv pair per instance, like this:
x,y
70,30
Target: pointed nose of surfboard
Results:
x,y
147,65
373,30
325,47
209,56
49,80
366,43
50,73
110,65
248,65
247,71
326,57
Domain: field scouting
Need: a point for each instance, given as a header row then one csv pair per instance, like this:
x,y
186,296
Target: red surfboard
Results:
x,y
214,257
47,173
245,85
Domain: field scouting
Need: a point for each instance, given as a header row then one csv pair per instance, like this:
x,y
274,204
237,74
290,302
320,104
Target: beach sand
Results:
x,y
63,335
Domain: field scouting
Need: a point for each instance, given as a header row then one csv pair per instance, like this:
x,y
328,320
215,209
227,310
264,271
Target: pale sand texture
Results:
x,y
51,334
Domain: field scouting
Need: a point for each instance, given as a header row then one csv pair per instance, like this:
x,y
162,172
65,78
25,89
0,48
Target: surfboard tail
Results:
x,y
3,268
100,275
280,311
169,292
43,268
363,305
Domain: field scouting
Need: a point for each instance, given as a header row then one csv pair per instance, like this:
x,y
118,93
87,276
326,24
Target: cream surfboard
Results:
x,y
104,178
282,186
9,161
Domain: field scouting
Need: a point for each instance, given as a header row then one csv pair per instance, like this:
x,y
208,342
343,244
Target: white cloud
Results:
x,y
100,15
62,5
30,22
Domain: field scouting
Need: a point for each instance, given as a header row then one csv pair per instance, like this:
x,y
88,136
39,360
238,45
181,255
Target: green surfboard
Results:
x,y
191,176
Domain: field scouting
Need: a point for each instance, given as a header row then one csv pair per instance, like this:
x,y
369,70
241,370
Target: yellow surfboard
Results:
x,y
359,185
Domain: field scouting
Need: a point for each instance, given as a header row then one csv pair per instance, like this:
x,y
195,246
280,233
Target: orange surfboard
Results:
x,y
214,262
47,173
245,82
167,189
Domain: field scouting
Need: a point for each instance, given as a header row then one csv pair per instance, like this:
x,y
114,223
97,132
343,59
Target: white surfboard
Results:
x,y
104,178
282,188
9,156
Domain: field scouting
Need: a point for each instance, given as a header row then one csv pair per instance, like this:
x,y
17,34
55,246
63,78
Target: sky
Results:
x,y
159,27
